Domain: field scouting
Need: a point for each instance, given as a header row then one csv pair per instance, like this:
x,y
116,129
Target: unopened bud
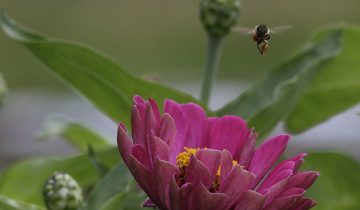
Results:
x,y
62,192
218,16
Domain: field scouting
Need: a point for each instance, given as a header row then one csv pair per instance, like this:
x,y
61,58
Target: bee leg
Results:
x,y
264,48
260,49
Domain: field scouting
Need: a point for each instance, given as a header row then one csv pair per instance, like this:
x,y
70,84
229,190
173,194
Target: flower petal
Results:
x,y
251,200
197,172
124,142
155,109
287,200
291,192
191,123
301,180
179,197
236,184
148,203
164,173
211,159
283,170
167,129
303,204
140,104
140,154
174,110
202,199
229,132
225,165
248,150
150,129
144,177
265,157
160,149
137,127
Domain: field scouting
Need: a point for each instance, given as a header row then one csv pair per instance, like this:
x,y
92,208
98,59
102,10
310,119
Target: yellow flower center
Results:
x,y
183,161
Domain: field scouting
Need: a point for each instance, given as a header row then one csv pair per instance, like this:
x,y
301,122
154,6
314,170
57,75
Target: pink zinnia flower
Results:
x,y
185,160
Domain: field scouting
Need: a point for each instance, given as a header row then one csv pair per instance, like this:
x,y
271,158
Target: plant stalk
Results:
x,y
211,66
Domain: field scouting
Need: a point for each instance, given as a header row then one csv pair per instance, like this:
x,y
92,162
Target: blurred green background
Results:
x,y
162,37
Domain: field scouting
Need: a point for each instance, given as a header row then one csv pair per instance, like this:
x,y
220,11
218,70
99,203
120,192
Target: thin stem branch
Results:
x,y
211,66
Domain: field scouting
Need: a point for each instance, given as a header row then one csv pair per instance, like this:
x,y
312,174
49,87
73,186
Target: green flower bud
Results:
x,y
218,16
62,192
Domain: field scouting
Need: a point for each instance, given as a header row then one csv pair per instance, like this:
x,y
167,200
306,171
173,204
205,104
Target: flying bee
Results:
x,y
261,34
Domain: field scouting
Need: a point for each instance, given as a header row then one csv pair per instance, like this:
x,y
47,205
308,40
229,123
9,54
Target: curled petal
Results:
x,y
179,197
197,172
301,180
148,203
202,199
139,153
236,184
283,170
167,129
225,165
140,104
160,149
124,142
287,200
155,109
182,127
211,159
265,157
138,127
144,177
303,204
164,173
248,150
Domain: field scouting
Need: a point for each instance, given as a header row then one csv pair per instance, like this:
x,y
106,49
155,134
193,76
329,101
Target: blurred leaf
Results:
x,y
3,89
24,180
97,77
335,88
271,99
131,199
76,134
10,204
338,186
113,183
100,168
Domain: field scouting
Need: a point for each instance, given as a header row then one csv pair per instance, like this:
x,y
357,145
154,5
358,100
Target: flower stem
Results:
x,y
211,66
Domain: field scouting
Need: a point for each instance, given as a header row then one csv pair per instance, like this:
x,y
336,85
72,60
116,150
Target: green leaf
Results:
x,y
271,99
24,180
335,88
131,199
97,77
3,89
100,168
75,133
113,183
10,204
338,186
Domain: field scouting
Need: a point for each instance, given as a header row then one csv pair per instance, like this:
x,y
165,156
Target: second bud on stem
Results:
x,y
218,17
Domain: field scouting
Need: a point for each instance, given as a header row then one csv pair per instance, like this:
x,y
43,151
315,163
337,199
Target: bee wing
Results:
x,y
243,30
280,29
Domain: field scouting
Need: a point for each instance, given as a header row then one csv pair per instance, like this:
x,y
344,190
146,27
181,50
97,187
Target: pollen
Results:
x,y
183,159
234,162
